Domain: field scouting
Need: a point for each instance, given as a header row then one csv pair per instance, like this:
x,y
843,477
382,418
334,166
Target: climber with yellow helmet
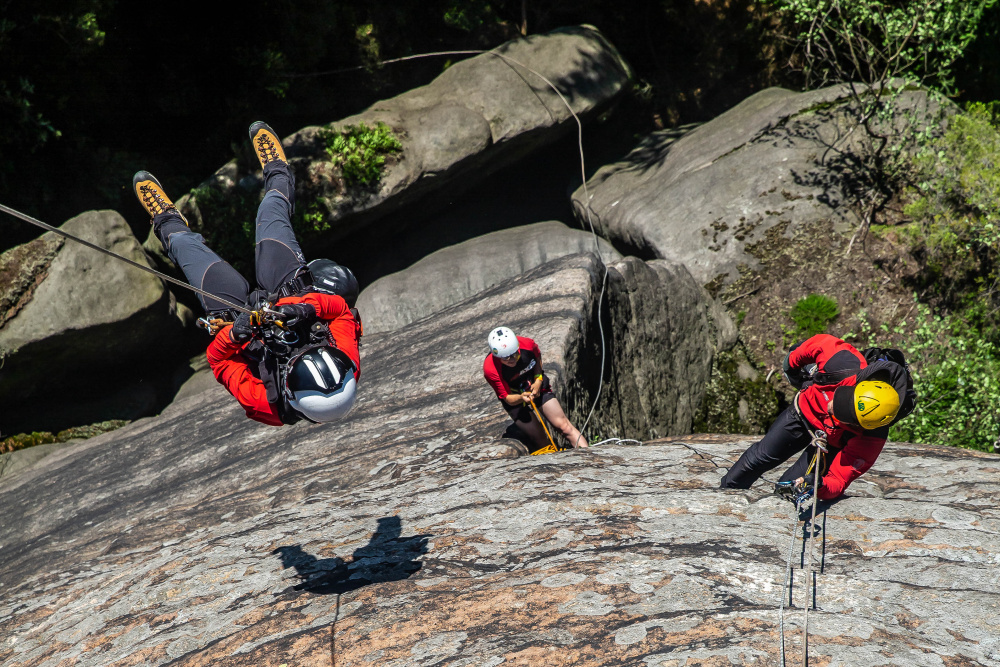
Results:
x,y
852,397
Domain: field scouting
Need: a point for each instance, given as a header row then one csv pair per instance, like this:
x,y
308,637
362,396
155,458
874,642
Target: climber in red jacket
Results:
x,y
853,402
514,370
297,355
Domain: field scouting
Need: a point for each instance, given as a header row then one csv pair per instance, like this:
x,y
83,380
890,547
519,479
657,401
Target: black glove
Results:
x,y
242,330
296,313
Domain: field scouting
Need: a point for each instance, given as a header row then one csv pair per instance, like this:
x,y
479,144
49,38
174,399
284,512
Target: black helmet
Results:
x,y
320,384
332,278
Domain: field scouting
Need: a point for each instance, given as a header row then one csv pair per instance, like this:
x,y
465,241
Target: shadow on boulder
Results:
x,y
386,557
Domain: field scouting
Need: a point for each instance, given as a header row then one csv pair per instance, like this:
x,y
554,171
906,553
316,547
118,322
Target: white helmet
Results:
x,y
320,384
503,342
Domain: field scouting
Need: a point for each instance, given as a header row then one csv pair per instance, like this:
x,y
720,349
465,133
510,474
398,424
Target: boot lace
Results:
x,y
153,200
268,151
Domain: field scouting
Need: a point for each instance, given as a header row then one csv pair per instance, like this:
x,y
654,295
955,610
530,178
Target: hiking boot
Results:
x,y
266,144
150,194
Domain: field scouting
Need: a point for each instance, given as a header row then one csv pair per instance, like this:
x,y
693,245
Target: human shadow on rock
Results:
x,y
386,557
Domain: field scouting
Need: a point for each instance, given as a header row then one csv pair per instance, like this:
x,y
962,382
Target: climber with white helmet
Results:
x,y
852,397
290,351
514,369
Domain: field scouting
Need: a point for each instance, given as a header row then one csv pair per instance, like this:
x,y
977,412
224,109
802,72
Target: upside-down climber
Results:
x,y
293,352
514,370
853,398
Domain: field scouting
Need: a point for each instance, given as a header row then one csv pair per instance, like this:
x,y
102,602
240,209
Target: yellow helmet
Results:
x,y
870,404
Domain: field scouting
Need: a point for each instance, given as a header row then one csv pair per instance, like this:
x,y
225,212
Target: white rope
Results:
x,y
617,441
818,441
786,583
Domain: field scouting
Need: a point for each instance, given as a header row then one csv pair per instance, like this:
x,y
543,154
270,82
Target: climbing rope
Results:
x,y
818,440
552,443
158,274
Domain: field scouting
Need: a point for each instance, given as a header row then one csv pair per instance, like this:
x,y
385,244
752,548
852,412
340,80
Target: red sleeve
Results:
x,y
850,463
810,349
492,376
233,373
328,306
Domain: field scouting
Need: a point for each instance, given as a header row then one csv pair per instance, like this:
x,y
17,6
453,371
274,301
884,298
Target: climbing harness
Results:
x,y
551,447
799,497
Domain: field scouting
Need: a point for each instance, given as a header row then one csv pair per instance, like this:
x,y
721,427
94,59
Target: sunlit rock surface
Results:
x,y
617,555
459,271
776,163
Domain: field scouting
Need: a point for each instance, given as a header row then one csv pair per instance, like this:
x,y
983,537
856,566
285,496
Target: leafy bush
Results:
x,y
812,315
955,212
957,378
360,151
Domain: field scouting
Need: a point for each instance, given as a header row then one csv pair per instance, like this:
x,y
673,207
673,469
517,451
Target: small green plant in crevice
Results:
x,y
24,440
812,315
360,151
310,219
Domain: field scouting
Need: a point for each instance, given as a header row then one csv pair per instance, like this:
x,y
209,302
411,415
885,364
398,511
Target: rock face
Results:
x,y
73,316
771,164
457,272
201,466
617,555
663,332
478,116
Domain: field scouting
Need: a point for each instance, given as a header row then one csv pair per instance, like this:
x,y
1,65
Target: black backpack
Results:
x,y
873,354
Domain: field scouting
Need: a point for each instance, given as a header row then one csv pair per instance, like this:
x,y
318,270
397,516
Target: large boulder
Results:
x,y
776,164
455,273
478,116
74,320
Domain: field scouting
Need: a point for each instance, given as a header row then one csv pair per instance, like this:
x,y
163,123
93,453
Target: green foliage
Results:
x,y
360,151
955,212
874,41
25,440
469,15
886,46
957,377
310,220
228,224
812,315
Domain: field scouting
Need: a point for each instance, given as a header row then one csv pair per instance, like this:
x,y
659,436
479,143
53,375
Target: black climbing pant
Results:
x,y
278,258
787,436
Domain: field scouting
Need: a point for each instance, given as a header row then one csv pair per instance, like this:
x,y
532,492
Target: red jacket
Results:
x,y
232,369
854,449
506,380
